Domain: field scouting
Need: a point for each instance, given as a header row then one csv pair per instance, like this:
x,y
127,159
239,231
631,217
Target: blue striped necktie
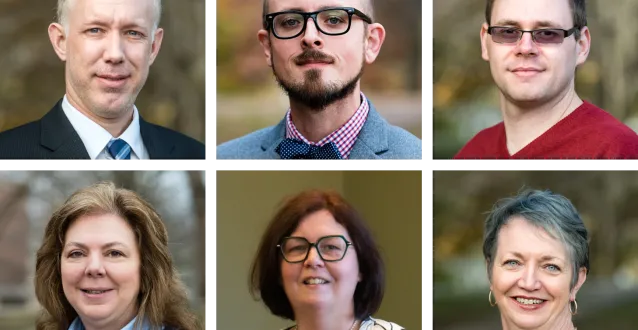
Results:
x,y
119,149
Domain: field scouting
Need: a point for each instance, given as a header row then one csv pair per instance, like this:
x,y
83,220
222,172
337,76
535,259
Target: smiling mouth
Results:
x,y
95,291
315,281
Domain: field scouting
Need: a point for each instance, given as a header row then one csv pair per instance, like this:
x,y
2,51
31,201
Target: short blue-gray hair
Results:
x,y
544,209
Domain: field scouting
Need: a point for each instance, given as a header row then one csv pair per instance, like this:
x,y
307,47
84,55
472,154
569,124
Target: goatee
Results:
x,y
314,93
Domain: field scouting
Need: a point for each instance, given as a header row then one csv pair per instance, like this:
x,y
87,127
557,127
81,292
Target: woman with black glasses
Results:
x,y
317,264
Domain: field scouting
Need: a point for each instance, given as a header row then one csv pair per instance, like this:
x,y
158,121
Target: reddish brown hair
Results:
x,y
265,274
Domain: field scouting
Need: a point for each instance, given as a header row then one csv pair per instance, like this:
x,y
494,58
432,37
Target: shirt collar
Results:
x,y
95,137
344,137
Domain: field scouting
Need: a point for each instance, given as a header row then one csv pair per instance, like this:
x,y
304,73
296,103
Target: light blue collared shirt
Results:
x,y
77,325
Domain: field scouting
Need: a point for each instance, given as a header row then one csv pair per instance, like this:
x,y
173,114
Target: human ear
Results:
x,y
157,43
262,35
583,46
484,53
373,41
57,37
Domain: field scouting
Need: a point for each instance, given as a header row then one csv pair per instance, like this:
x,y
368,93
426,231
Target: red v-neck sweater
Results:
x,y
587,133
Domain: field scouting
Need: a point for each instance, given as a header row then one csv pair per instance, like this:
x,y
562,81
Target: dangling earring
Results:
x,y
489,298
574,311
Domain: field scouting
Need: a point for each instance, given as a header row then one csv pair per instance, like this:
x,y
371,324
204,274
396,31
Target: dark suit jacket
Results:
x,y
53,137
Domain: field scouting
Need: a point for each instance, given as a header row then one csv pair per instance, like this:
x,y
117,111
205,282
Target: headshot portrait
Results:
x,y
322,257
558,82
318,54
106,250
90,66
543,259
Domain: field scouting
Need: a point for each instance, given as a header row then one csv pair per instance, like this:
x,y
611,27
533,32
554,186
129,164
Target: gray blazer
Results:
x,y
377,140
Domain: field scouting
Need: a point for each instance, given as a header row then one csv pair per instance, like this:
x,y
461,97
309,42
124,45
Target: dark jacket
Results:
x,y
53,137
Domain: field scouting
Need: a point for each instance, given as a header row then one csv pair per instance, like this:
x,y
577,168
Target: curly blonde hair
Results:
x,y
162,297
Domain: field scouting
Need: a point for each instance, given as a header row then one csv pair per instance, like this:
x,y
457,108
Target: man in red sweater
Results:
x,y
533,48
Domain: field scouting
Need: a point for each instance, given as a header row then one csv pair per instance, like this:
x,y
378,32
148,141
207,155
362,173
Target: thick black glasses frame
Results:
x,y
566,33
269,18
311,245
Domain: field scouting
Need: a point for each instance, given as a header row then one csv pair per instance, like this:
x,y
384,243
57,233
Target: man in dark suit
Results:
x,y
108,47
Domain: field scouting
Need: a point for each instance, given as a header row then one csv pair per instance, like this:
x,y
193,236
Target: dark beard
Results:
x,y
315,94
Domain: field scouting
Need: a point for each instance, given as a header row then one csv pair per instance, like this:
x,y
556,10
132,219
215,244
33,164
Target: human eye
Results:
x,y
75,254
114,254
334,20
511,263
135,34
552,268
94,30
290,21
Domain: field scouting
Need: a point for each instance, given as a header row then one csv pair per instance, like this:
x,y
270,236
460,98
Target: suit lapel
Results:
x,y
272,139
58,135
157,146
373,138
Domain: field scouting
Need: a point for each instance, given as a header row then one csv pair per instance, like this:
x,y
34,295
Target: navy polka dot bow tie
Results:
x,y
297,149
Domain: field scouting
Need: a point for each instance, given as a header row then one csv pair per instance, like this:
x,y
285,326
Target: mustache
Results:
x,y
312,55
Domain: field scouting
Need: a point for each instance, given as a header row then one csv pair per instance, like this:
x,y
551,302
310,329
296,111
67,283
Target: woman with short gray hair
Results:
x,y
537,254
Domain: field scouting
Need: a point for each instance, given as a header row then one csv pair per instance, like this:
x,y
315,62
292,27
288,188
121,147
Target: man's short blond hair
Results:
x,y
64,4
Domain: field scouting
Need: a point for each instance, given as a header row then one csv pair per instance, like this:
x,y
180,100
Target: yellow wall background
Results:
x,y
389,201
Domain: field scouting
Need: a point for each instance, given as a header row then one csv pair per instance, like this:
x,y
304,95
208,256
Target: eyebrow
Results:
x,y
536,24
105,246
543,258
303,10
99,22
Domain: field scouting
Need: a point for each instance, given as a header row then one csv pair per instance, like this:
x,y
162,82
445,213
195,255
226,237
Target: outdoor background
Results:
x,y
390,202
27,200
466,98
249,98
32,75
606,201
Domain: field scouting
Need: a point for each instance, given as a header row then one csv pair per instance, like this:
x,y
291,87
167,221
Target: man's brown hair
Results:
x,y
368,9
579,14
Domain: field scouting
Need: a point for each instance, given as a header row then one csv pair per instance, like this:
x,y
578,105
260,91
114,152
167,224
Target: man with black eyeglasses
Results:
x,y
317,51
533,48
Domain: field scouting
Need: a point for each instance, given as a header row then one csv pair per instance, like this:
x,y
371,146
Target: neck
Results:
x,y
115,126
524,122
315,124
324,320
106,325
562,322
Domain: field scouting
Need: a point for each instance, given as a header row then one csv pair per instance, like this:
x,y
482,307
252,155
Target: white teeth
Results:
x,y
529,301
94,292
315,281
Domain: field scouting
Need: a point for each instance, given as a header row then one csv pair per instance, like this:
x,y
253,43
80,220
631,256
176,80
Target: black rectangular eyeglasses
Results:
x,y
330,21
330,248
510,35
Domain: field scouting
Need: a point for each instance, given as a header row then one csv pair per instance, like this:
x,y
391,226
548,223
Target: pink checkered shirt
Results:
x,y
344,137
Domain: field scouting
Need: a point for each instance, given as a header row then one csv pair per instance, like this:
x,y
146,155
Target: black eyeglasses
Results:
x,y
331,21
330,248
510,35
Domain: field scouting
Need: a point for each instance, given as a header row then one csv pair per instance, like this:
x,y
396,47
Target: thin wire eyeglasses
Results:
x,y
511,35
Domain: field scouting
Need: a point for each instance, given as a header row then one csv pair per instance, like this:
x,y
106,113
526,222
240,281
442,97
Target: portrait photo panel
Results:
x,y
355,65
534,80
535,249
364,217
126,247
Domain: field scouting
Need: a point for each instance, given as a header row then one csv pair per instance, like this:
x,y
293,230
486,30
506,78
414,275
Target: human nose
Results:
x,y
526,45
95,266
114,52
313,259
311,37
529,279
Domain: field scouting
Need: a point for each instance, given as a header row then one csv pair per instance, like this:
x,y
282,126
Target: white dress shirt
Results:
x,y
95,137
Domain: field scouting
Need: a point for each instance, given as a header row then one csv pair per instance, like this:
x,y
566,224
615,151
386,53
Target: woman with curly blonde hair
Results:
x,y
104,263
